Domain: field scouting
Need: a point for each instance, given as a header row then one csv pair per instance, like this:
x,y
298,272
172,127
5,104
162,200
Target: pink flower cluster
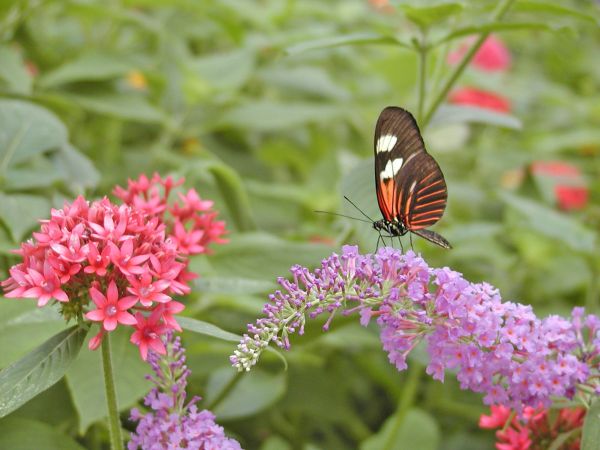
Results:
x,y
129,259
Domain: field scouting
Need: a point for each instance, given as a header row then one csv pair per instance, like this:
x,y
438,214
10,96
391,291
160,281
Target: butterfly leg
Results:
x,y
411,243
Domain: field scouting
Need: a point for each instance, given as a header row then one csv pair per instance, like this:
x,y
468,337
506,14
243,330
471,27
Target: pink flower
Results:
x,y
123,258
72,252
498,417
188,242
96,340
131,250
97,262
566,182
146,291
192,203
46,285
110,309
148,333
168,310
571,198
480,98
109,231
492,55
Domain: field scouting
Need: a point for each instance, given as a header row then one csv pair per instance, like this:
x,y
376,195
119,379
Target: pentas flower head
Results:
x,y
129,259
480,98
492,56
171,422
500,349
535,428
565,181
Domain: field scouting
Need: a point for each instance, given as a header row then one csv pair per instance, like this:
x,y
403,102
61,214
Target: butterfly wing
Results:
x,y
397,140
432,236
409,183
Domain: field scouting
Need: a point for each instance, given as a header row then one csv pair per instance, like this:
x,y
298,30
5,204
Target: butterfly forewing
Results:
x,y
409,183
397,141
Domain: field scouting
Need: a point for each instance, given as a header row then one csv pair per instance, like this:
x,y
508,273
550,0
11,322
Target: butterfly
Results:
x,y
411,190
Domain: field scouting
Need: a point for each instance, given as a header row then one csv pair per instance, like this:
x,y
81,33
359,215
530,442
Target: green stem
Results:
x,y
422,76
116,439
498,14
406,401
225,391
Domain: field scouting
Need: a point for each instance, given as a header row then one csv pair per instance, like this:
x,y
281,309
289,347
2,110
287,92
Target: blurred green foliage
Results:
x,y
268,107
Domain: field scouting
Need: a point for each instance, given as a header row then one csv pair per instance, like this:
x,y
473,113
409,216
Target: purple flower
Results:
x,y
172,423
500,349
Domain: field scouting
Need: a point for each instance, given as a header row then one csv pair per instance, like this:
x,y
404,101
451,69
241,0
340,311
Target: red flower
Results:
x,y
477,97
148,333
110,309
571,198
491,56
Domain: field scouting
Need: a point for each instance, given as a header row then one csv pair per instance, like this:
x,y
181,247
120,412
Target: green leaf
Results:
x,y
13,72
21,212
225,70
314,81
92,66
418,428
265,257
23,326
553,8
235,196
124,106
40,369
27,130
232,285
347,39
86,382
77,170
425,16
18,433
207,329
254,392
562,438
552,224
495,27
266,115
471,114
590,439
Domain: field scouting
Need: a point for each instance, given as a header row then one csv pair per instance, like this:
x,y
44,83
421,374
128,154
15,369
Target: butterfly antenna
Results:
x,y
343,215
358,209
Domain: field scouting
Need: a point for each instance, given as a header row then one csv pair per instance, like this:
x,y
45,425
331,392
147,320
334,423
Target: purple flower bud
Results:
x,y
172,423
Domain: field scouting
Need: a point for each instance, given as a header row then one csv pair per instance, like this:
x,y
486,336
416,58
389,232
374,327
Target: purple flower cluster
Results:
x,y
172,423
497,348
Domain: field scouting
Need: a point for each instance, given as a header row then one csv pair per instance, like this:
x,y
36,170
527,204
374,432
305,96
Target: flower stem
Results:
x,y
498,14
225,391
422,76
406,400
116,439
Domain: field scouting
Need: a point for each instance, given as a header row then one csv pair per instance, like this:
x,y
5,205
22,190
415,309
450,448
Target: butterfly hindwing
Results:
x,y
432,236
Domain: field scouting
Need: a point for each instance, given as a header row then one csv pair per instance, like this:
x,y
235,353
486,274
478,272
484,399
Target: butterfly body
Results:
x,y
411,190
